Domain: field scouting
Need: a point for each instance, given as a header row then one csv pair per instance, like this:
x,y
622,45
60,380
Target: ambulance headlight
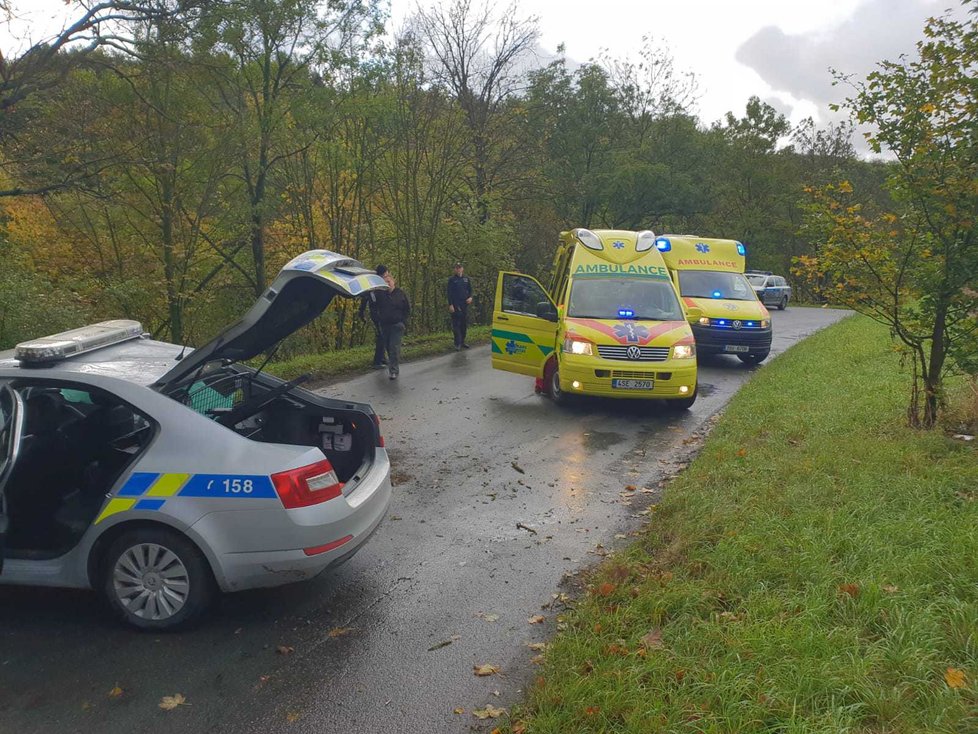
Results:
x,y
582,347
704,320
765,323
683,351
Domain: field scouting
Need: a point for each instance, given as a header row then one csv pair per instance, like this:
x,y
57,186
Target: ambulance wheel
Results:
x,y
683,403
753,357
784,304
156,579
553,386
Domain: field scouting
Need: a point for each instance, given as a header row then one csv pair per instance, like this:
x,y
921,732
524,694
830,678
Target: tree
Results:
x,y
914,268
478,59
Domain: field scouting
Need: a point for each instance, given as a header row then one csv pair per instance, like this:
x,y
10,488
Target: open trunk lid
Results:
x,y
301,292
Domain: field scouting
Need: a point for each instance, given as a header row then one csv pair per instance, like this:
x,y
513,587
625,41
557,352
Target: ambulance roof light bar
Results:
x,y
58,347
589,239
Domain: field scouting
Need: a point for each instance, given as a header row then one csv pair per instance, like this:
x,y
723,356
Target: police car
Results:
x,y
771,289
158,475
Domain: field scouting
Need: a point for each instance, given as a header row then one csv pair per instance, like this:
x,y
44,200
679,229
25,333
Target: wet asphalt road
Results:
x,y
387,642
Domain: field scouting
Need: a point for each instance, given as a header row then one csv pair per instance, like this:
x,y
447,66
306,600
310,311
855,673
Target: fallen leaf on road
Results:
x,y
116,691
168,703
485,669
653,640
340,631
292,717
954,678
285,649
86,706
488,617
440,645
537,646
489,712
630,488
458,710
536,619
518,468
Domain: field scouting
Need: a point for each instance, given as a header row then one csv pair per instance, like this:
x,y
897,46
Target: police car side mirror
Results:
x,y
546,310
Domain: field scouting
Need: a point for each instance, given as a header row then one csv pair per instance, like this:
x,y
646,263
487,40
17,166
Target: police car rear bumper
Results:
x,y
716,340
297,544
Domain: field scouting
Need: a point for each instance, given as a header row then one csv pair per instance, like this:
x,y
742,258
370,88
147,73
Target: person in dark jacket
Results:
x,y
393,310
369,302
459,298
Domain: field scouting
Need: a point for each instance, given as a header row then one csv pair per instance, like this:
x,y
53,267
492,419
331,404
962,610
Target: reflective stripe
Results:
x,y
168,485
115,506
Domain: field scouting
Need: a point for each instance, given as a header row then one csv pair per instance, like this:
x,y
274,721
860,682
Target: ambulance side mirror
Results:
x,y
693,313
546,310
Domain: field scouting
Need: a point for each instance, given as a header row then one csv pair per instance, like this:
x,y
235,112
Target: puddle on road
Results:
x,y
600,440
705,388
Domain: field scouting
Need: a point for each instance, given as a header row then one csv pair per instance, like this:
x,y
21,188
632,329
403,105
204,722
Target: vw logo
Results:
x,y
634,353
737,324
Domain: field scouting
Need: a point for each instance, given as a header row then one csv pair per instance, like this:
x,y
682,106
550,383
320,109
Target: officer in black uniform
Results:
x,y
370,301
459,298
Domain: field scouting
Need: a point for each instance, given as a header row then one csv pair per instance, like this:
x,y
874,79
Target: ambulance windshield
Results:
x,y
623,298
715,284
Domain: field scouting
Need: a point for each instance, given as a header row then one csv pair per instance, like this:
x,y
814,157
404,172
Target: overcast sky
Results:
x,y
779,50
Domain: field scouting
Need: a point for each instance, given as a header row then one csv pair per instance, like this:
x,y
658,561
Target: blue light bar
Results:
x,y
626,313
741,250
716,294
663,244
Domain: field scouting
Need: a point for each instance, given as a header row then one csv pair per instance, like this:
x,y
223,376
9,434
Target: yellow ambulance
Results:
x,y
609,324
709,274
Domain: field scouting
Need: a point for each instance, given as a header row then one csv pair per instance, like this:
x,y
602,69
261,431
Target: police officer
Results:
x,y
459,298
393,310
370,301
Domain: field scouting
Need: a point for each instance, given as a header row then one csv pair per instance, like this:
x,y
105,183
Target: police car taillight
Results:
x,y
307,485
380,436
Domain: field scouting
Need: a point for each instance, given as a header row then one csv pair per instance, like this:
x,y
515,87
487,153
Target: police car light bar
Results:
x,y
57,347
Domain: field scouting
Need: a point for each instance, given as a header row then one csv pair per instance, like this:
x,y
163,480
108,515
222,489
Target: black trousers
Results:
x,y
378,345
460,325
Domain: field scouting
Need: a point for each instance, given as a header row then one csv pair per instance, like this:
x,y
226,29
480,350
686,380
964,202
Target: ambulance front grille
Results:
x,y
649,354
633,374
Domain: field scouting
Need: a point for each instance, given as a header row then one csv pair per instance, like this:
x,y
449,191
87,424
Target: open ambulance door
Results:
x,y
524,325
11,420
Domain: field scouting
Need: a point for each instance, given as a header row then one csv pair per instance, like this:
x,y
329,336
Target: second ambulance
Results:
x,y
709,274
610,323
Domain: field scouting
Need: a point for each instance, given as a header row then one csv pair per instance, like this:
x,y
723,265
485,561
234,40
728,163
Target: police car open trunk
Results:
x,y
261,407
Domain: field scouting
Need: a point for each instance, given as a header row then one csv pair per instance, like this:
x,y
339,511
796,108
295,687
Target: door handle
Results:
x,y
502,318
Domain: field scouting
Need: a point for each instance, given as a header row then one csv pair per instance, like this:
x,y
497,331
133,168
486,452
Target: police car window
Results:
x,y
522,295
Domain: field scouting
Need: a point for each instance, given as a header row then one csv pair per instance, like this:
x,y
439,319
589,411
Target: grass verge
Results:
x,y
330,365
814,570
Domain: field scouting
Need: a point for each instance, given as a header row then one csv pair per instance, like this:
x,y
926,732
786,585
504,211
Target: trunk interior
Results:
x,y
264,408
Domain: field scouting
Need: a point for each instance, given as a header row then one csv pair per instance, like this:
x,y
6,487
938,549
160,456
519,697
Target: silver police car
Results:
x,y
158,475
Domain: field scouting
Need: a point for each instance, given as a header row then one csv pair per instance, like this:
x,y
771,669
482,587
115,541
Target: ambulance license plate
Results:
x,y
736,348
632,384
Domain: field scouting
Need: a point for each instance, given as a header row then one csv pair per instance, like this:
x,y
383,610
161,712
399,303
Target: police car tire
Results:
x,y
784,304
203,589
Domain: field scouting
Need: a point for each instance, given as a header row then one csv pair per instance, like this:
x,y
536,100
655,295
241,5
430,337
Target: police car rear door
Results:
x,y
11,421
524,325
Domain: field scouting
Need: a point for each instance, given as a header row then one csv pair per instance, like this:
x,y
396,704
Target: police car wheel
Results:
x,y
155,579
784,304
753,357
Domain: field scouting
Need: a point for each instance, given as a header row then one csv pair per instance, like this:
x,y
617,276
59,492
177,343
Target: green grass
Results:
x,y
357,359
814,570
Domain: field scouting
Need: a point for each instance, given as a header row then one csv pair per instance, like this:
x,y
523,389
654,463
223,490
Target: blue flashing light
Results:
x,y
750,323
722,322
716,294
626,313
663,244
741,250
